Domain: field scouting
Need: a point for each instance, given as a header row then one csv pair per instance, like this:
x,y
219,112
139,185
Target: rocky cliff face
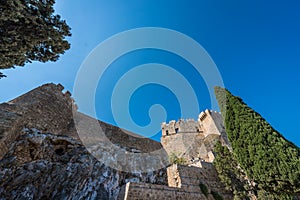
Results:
x,y
45,108
50,110
42,157
48,166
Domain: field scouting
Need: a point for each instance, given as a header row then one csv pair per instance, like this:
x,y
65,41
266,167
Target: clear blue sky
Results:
x,y
255,45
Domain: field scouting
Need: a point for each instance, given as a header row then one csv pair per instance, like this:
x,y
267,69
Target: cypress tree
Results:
x,y
30,31
231,174
262,152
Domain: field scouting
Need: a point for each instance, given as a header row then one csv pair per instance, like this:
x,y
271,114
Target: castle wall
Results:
x,y
190,177
89,134
141,191
182,144
183,183
50,110
208,122
190,146
194,140
218,120
45,108
181,126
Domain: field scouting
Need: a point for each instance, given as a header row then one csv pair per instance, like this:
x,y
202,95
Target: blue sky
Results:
x,y
254,44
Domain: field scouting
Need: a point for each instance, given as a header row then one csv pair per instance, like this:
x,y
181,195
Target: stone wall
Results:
x,y
46,108
93,131
48,166
49,109
190,178
208,122
194,140
181,144
141,191
190,146
183,183
219,122
181,126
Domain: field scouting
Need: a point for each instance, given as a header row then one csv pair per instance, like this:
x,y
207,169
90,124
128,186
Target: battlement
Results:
x,y
192,139
181,126
208,121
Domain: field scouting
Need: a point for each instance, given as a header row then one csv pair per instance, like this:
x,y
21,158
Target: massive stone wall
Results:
x,y
219,123
54,156
46,108
183,183
185,145
93,131
141,191
47,166
208,123
181,126
190,146
190,178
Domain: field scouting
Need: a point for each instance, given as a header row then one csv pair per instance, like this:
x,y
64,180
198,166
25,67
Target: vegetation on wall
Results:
x,y
175,159
216,195
267,158
204,189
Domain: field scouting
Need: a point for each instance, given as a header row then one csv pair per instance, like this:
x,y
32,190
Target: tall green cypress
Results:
x,y
30,31
262,152
231,174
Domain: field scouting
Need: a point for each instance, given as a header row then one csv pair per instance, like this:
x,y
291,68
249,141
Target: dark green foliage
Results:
x,y
262,152
262,194
29,31
204,189
216,195
230,173
174,159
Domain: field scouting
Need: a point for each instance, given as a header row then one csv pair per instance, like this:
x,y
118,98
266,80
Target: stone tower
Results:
x,y
194,140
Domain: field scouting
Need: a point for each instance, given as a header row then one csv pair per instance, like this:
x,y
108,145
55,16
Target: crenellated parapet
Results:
x,y
180,126
209,122
194,140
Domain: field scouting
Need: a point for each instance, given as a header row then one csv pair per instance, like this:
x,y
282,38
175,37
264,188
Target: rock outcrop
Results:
x,y
42,156
47,166
45,108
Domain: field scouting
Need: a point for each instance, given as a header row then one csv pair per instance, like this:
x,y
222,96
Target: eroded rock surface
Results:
x,y
47,166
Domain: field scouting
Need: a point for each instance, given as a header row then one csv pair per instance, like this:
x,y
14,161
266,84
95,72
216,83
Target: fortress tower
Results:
x,y
194,140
